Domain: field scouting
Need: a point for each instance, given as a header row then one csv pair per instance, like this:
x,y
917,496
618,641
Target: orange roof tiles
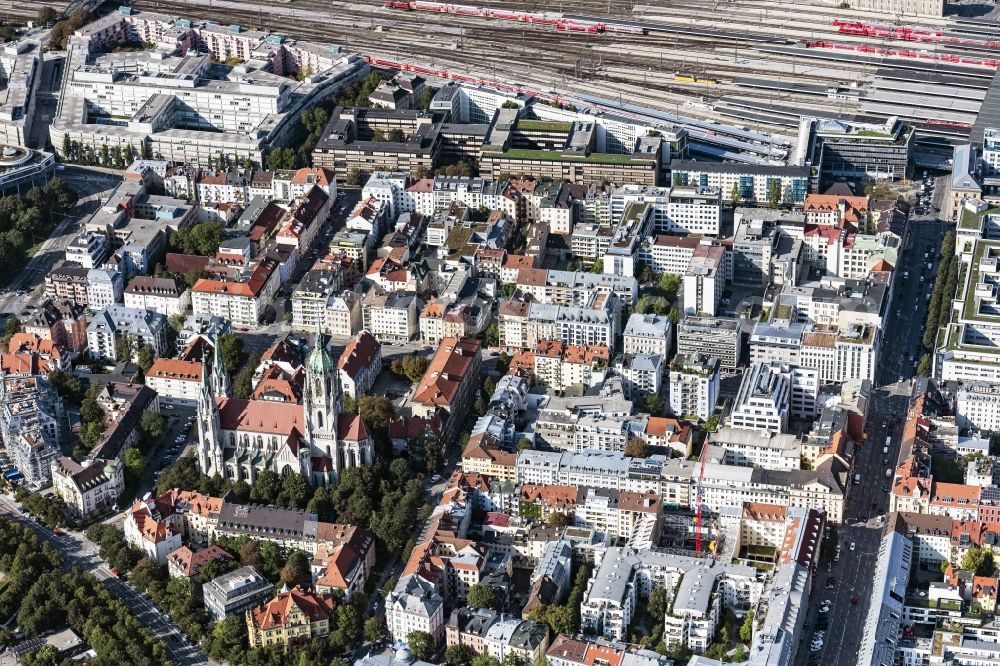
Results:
x,y
274,614
170,368
447,371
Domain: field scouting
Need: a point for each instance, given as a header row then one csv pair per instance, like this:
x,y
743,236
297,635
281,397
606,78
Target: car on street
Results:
x,y
852,546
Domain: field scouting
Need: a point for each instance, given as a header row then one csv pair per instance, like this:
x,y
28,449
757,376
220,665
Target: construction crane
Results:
x,y
698,498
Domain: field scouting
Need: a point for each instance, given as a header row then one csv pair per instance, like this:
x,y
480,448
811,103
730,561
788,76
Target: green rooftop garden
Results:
x,y
544,125
554,156
783,311
972,220
969,310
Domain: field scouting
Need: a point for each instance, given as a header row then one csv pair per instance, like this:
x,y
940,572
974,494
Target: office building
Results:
x,y
235,592
720,337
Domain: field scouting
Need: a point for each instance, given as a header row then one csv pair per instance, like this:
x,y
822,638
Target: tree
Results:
x,y
295,492
712,423
396,135
45,15
558,618
90,411
734,194
266,487
636,448
135,462
231,351
652,404
485,660
978,560
560,519
924,368
491,336
597,267
421,645
746,629
426,97
740,654
374,630
296,570
243,380
376,411
482,595
457,655
356,178
152,425
656,605
525,444
67,385
145,357
774,193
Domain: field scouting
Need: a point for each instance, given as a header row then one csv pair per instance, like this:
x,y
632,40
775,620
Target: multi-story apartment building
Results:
x,y
705,280
771,393
242,300
449,383
667,254
641,374
414,605
694,385
752,448
390,316
555,287
168,296
31,415
179,103
967,351
176,381
67,282
977,406
360,364
647,334
105,288
752,182
118,322
88,488
522,324
560,366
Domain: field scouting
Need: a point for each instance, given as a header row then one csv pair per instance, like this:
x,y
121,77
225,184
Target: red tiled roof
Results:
x,y
274,614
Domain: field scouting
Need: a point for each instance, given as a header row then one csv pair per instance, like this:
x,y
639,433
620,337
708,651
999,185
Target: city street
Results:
x,y
868,499
78,551
26,288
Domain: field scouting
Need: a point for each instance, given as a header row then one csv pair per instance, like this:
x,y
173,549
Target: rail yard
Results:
x,y
687,60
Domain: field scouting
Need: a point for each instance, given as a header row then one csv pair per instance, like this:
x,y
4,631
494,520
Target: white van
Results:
x,y
888,473
857,478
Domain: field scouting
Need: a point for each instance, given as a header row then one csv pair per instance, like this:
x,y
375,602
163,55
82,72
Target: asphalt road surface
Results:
x,y
868,498
26,289
78,551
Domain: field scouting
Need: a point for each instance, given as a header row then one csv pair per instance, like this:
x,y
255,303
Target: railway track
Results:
x,y
639,68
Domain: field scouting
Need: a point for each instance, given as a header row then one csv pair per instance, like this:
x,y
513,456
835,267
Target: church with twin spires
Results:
x,y
237,438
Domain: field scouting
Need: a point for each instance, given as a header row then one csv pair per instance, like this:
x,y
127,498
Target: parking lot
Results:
x,y
181,436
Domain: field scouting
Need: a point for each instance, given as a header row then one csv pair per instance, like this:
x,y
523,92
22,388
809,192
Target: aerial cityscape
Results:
x,y
567,333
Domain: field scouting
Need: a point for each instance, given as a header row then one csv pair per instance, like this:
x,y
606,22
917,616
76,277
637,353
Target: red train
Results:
x,y
905,53
903,33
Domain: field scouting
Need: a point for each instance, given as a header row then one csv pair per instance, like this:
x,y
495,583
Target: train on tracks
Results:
x,y
556,20
906,34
